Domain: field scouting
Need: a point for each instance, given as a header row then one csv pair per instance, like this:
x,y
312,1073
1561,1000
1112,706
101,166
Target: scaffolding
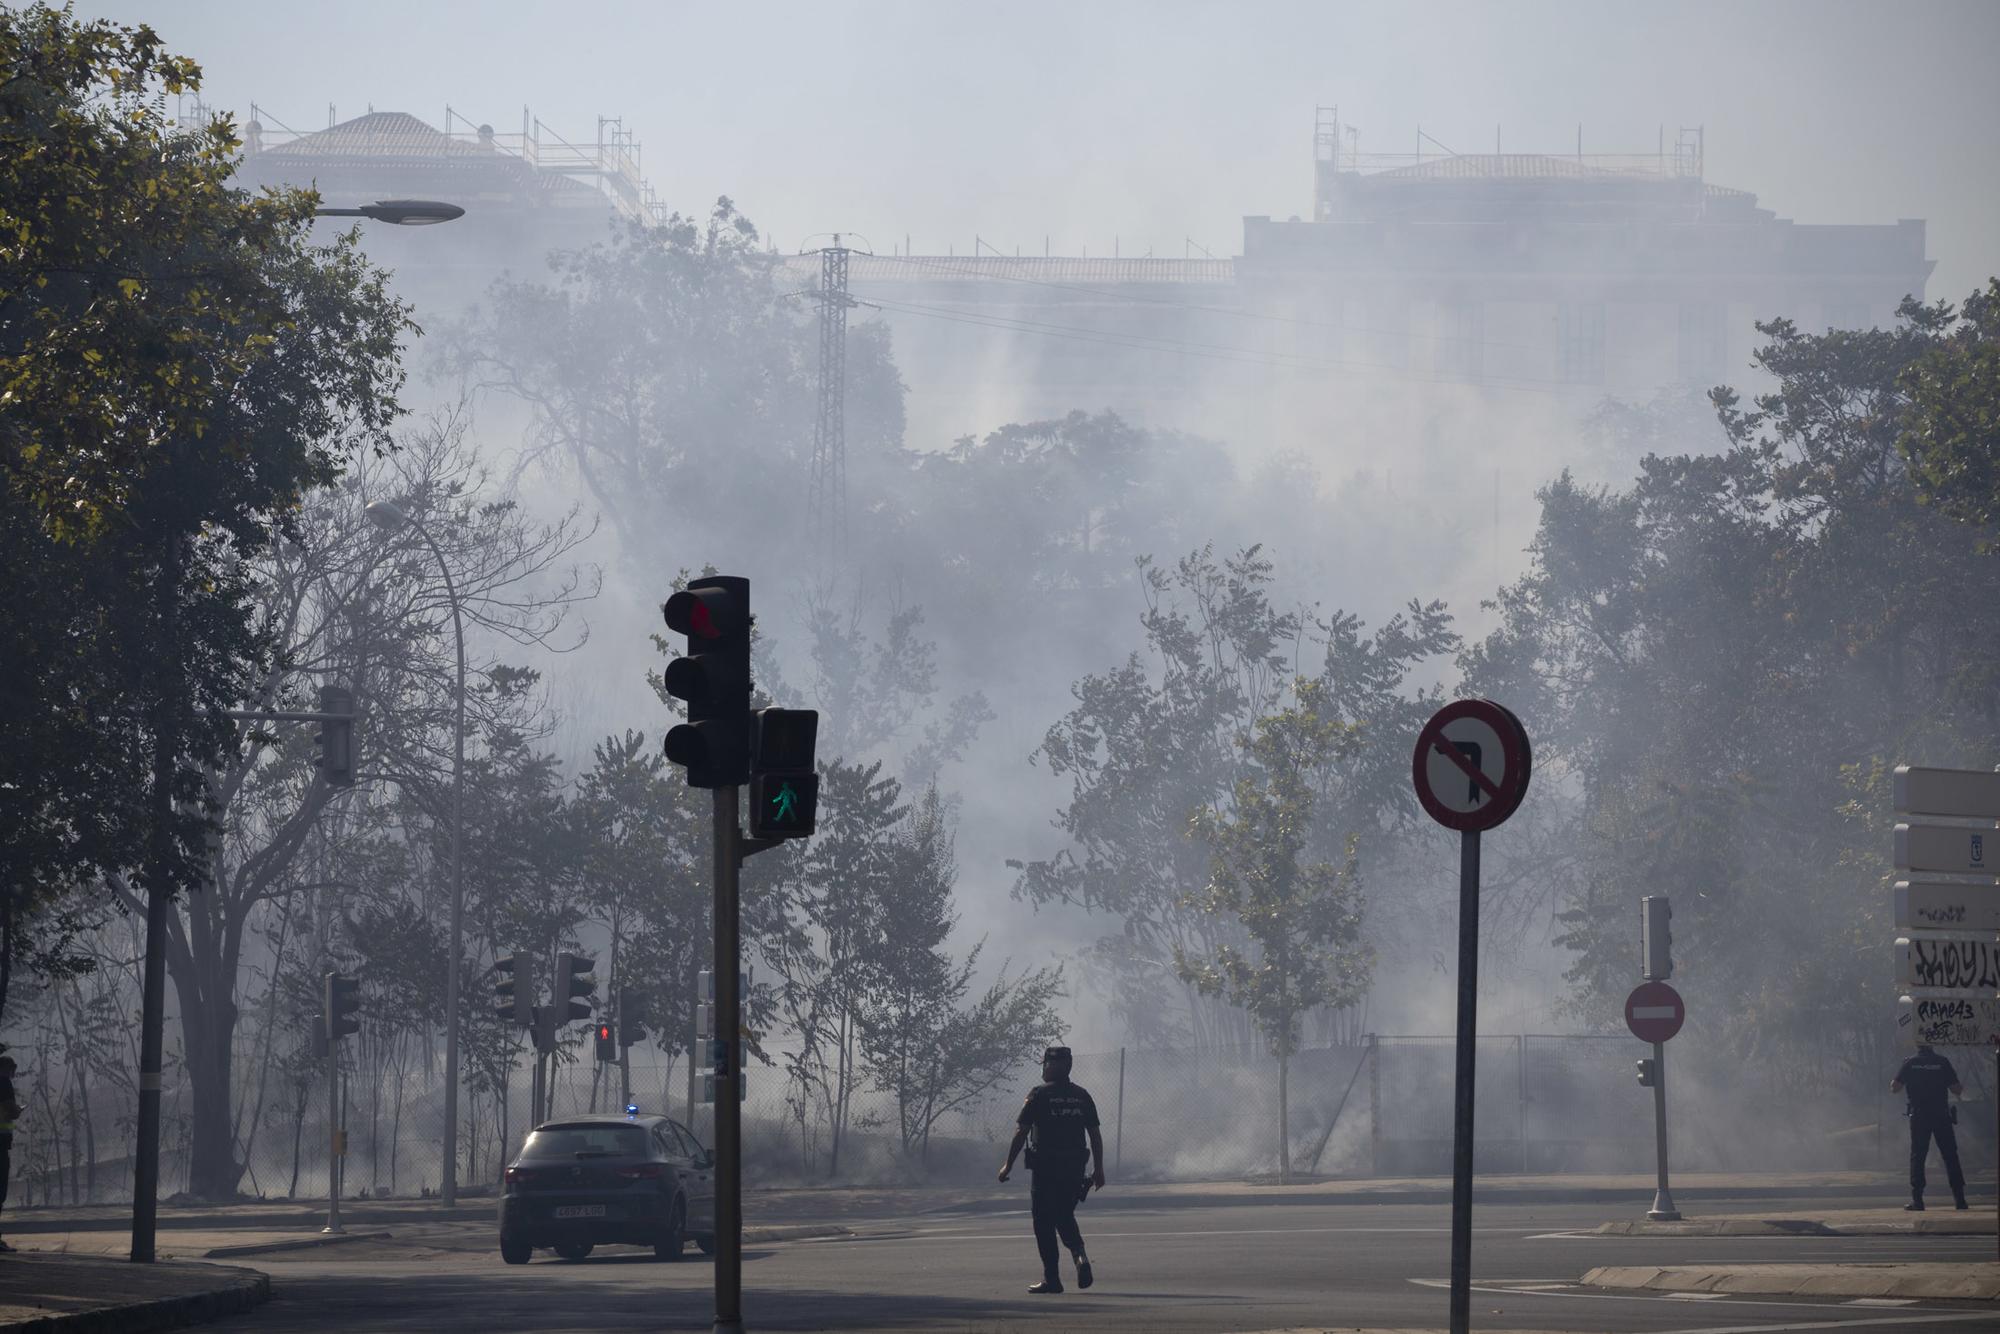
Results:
x,y
611,165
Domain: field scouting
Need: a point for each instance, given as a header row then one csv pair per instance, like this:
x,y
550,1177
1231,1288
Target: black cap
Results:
x,y
1057,1054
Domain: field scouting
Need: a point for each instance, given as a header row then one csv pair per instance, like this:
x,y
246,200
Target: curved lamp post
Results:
x,y
401,212
389,516
152,1005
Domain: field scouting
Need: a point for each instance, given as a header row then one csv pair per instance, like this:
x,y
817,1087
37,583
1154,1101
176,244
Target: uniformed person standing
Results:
x,y
1059,1116
1926,1079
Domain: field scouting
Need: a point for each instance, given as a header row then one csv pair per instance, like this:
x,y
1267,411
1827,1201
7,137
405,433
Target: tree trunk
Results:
x,y
1284,1116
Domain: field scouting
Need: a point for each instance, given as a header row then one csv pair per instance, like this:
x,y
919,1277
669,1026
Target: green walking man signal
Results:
x,y
784,786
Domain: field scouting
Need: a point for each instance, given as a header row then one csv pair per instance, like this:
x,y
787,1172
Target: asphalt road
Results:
x,y
1188,1267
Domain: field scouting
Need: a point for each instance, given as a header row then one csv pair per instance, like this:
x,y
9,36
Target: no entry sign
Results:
x,y
1654,1012
1471,765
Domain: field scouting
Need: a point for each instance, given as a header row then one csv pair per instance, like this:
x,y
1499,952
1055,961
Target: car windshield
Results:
x,y
586,1142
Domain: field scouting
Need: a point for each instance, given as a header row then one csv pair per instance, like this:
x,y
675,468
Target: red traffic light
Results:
x,y
604,1032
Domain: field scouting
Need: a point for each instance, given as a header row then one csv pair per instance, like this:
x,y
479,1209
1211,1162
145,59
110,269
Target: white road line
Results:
x,y
1882,1301
1869,1322
1694,1296
942,1235
1931,1317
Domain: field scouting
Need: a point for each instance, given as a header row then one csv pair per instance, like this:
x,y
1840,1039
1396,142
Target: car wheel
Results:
x,y
705,1240
673,1239
515,1252
573,1250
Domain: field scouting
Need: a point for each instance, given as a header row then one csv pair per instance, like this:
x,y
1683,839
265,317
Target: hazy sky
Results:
x,y
1152,122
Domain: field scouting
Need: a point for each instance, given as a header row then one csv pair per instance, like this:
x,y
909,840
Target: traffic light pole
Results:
x,y
332,1132
1663,1210
728,1111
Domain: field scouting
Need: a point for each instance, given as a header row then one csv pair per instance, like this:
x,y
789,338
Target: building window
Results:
x,y
1461,337
1703,342
1848,315
1580,342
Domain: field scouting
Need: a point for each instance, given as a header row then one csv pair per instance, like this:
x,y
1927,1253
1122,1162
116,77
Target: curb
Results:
x,y
1795,1227
292,1244
1968,1282
800,1232
251,1289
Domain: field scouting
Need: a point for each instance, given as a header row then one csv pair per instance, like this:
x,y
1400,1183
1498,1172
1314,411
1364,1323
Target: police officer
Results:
x,y
1058,1115
1925,1079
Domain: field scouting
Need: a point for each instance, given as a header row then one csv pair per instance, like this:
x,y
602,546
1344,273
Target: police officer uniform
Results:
x,y
1927,1080
1058,1120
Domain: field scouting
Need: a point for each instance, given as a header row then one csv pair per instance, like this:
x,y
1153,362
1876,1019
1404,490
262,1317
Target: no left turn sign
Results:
x,y
1471,765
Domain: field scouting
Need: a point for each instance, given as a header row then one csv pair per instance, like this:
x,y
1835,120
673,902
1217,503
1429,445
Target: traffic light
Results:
x,y
714,679
1648,1071
514,990
336,736
338,1003
607,1044
784,787
575,989
631,1017
1656,938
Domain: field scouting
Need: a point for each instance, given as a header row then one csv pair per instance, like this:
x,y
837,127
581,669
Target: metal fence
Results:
x,y
1383,1107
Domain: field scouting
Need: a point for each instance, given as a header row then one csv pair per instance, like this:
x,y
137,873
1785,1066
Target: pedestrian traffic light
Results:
x,y
338,1003
335,760
784,787
714,679
631,1017
514,990
1656,938
607,1044
575,989
1648,1070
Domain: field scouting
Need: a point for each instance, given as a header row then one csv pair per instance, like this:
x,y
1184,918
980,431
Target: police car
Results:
x,y
588,1181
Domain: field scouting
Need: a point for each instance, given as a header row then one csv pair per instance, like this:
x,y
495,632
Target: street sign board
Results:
x,y
1952,849
1936,905
1654,1012
1948,1021
1970,793
1471,764
1962,963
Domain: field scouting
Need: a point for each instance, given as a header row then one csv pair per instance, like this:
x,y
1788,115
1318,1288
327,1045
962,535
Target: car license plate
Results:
x,y
579,1211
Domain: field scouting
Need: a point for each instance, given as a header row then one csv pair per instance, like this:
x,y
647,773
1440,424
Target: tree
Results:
x,y
920,1042
182,366
1302,919
1724,662
1951,434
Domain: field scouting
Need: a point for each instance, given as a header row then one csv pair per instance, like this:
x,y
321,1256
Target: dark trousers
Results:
x,y
1053,1204
1923,1129
6,1164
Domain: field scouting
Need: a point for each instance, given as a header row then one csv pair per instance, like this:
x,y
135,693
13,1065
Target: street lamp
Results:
x,y
152,1003
389,517
401,212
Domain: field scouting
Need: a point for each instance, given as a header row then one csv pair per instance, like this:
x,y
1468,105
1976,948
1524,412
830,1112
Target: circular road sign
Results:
x,y
1471,765
1654,1012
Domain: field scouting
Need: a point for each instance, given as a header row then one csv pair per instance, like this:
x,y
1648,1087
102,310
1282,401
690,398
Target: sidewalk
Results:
x,y
76,1293
1962,1281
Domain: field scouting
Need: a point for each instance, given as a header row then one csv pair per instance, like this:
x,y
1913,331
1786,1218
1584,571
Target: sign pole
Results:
x,y
1663,1210
332,1120
723,1047
1461,1121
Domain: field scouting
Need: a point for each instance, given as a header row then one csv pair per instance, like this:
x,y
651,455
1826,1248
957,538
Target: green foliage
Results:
x,y
1300,919
1951,432
1723,662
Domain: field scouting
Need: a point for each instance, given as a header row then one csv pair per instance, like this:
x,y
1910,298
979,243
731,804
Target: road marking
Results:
x,y
942,1235
1882,1301
1694,1296
1857,1321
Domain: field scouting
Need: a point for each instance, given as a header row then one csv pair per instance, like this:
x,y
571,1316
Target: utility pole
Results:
x,y
828,501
